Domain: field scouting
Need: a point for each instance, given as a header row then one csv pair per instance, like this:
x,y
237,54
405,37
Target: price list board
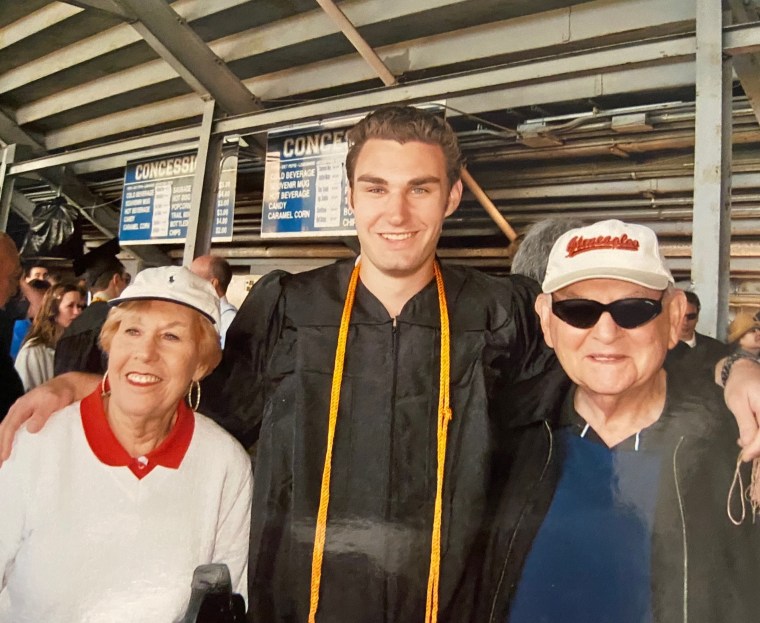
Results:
x,y
155,203
305,185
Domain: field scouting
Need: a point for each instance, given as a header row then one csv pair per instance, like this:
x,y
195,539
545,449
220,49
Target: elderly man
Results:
x,y
10,274
616,509
218,272
35,271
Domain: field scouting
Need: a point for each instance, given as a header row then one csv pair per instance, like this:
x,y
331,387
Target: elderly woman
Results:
x,y
108,510
60,305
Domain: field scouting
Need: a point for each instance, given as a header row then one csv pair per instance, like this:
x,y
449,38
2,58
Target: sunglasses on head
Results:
x,y
627,313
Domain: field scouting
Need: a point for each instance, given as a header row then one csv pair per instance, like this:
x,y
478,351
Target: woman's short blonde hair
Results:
x,y
206,337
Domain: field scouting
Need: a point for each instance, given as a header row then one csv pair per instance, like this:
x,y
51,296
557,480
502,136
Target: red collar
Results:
x,y
108,450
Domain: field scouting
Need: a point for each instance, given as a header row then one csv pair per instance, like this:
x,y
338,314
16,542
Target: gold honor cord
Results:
x,y
324,494
444,416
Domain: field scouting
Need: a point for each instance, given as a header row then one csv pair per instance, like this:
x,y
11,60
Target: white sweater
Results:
x,y
34,364
84,542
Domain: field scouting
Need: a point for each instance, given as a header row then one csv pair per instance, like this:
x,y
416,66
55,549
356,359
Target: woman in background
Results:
x,y
34,362
744,334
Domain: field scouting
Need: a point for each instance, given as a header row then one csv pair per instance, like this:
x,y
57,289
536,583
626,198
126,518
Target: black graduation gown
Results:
x,y
698,362
78,350
274,384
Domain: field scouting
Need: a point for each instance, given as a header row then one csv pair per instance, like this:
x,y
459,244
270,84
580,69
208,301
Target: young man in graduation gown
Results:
x,y
276,380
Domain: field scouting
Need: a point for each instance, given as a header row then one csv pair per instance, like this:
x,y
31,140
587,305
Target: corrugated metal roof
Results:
x,y
536,89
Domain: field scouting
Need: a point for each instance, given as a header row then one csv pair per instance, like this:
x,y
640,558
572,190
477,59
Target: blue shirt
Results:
x,y
20,329
591,559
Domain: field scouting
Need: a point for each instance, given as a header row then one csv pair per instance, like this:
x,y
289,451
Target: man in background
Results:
x,y
694,351
218,272
78,349
34,292
533,253
35,272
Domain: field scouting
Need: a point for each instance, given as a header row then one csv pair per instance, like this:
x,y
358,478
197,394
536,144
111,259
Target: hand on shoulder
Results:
x,y
36,406
742,394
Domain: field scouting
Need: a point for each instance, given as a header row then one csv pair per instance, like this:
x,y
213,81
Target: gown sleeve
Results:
x,y
235,393
530,383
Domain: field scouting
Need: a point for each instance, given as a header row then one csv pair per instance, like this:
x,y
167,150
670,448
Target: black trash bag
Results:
x,y
56,231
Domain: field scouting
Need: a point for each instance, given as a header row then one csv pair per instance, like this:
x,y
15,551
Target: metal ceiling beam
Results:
x,y
747,66
179,139
35,22
205,185
105,219
180,46
579,87
6,185
740,39
362,47
264,39
712,171
680,72
110,7
115,154
119,161
665,51
558,28
22,206
682,184
599,62
106,42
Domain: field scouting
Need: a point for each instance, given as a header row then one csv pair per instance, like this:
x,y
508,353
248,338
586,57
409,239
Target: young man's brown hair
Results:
x,y
405,124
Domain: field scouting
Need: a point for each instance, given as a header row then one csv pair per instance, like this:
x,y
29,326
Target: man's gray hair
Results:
x,y
533,253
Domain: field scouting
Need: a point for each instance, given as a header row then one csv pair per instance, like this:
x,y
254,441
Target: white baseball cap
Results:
x,y
607,250
175,284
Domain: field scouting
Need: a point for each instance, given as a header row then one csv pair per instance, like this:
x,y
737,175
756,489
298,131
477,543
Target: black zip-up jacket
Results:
x,y
704,568
78,350
274,383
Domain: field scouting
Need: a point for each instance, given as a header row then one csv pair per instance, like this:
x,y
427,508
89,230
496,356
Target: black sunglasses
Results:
x,y
627,313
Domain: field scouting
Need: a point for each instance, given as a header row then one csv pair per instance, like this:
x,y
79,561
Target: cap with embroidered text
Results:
x,y
608,249
175,284
742,323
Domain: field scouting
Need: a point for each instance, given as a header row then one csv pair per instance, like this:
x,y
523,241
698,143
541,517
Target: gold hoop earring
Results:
x,y
194,404
104,393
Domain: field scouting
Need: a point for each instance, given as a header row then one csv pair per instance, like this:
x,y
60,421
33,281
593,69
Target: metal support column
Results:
x,y
205,186
711,233
6,185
